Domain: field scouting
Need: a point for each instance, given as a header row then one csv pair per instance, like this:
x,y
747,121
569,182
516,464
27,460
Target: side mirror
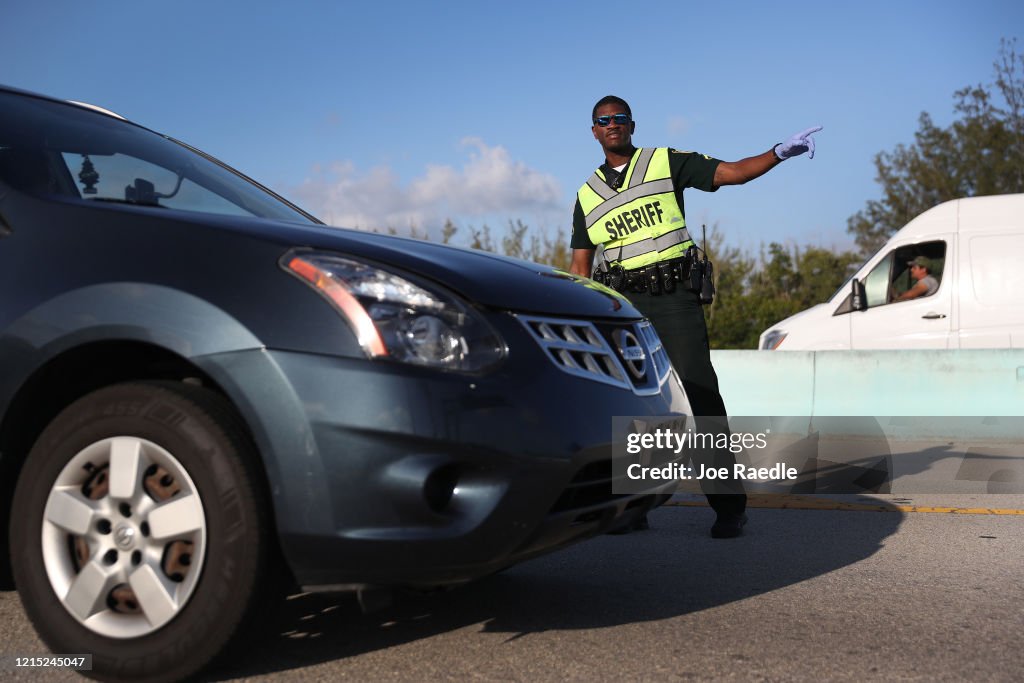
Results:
x,y
859,300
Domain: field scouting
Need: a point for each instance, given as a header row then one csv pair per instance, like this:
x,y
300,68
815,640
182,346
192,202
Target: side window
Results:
x,y
917,270
908,272
876,284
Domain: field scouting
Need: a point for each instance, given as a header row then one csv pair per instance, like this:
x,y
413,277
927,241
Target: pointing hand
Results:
x,y
797,145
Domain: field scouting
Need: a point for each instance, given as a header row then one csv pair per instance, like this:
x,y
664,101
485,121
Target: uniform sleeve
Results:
x,y
691,169
580,239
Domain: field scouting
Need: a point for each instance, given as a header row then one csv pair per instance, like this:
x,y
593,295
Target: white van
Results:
x,y
975,249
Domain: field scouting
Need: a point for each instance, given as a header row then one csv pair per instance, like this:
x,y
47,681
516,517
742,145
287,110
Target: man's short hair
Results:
x,y
610,99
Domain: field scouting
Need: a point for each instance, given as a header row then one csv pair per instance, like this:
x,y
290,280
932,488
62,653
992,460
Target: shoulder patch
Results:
x,y
679,151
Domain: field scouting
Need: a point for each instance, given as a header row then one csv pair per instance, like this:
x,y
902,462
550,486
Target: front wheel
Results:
x,y
140,531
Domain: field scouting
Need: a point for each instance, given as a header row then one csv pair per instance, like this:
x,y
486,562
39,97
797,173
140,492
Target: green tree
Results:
x,y
819,272
519,241
980,153
754,294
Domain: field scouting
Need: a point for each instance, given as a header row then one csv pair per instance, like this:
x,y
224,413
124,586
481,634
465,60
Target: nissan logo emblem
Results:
x,y
632,352
124,537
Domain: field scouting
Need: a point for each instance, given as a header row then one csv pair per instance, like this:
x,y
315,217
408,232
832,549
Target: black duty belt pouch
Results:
x,y
707,283
701,280
695,270
668,273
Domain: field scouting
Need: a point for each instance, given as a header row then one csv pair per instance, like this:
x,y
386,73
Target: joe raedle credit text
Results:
x,y
668,440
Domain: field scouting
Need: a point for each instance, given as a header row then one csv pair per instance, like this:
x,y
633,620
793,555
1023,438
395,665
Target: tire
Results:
x,y
140,534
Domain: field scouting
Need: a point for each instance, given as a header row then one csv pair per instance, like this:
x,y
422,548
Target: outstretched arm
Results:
x,y
739,172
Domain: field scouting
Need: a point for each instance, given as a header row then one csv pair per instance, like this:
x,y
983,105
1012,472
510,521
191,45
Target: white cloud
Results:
x,y
489,185
677,125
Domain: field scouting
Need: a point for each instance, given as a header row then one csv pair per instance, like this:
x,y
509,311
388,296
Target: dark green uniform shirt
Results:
x,y
689,169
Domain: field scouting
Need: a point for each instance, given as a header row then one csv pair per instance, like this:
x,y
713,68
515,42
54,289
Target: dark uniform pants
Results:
x,y
679,321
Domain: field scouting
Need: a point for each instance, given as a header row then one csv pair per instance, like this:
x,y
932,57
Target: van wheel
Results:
x,y
139,534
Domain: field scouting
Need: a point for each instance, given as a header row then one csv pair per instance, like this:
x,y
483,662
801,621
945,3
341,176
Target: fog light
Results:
x,y
439,487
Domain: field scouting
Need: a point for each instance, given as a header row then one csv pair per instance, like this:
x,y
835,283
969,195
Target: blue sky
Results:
x,y
406,113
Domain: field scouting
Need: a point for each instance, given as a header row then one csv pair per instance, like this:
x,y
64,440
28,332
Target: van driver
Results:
x,y
926,285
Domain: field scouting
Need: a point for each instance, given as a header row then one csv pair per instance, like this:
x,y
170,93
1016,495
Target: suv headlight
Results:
x,y
395,317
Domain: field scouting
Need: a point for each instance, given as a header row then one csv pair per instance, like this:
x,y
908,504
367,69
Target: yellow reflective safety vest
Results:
x,y
641,222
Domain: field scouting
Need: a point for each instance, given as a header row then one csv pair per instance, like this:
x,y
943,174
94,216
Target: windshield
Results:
x,y
846,282
60,150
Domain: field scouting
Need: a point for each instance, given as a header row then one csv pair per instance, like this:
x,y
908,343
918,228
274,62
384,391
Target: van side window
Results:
x,y
917,270
907,272
876,284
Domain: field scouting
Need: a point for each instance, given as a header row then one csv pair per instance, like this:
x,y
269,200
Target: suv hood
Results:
x,y
482,277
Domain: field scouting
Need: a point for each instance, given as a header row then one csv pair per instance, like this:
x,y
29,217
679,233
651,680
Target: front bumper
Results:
x,y
385,474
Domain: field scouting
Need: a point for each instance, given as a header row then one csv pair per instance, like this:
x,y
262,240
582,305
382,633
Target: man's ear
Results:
x,y
593,130
632,127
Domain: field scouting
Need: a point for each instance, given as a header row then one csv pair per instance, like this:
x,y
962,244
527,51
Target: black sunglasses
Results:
x,y
621,119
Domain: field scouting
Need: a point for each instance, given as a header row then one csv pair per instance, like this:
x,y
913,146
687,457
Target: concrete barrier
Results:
x,y
922,420
963,382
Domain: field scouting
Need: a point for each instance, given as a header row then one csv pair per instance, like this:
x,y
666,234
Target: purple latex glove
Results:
x,y
797,145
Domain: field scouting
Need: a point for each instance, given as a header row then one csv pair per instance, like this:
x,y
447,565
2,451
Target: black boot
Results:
x,y
728,526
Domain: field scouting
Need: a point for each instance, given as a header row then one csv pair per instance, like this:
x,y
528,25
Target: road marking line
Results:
x,y
799,502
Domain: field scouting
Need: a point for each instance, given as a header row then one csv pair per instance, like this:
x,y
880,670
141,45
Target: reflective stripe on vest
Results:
x,y
641,223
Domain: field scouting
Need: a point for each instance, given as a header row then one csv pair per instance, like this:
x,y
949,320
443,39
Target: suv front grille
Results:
x,y
661,362
628,356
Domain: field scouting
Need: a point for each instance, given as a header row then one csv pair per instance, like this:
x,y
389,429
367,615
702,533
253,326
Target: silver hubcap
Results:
x,y
124,536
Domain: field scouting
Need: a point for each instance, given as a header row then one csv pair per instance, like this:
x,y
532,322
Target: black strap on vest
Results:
x,y
612,177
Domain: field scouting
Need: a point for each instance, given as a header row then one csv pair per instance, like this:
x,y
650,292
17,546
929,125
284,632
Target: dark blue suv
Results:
x,y
204,389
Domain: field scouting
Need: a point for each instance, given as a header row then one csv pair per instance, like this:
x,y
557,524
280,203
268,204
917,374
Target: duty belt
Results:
x,y
654,279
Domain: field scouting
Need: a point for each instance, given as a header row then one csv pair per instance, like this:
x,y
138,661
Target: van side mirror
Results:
x,y
859,300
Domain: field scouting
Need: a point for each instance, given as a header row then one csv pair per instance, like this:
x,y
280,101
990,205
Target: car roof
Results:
x,y
84,105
